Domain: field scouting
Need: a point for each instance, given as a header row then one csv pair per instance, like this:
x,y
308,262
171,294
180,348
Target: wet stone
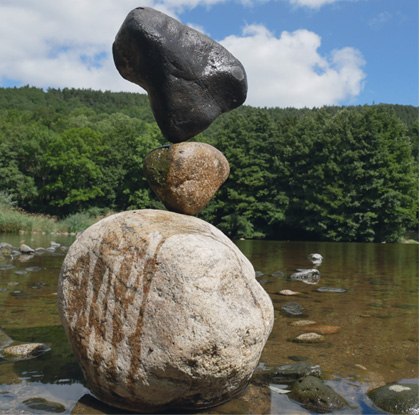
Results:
x,y
316,396
298,358
41,404
295,309
190,78
298,370
396,398
308,276
330,290
278,274
25,249
6,267
309,338
288,292
24,351
258,274
33,269
185,176
21,272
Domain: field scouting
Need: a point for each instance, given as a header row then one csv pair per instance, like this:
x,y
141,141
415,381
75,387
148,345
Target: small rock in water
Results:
x,y
5,245
185,176
302,323
278,274
315,396
316,259
288,292
309,338
25,249
33,269
298,358
25,351
6,267
330,290
308,276
294,309
41,404
21,272
324,329
190,78
258,274
396,398
298,370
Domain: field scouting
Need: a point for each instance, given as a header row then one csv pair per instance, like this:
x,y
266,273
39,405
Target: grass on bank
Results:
x,y
14,220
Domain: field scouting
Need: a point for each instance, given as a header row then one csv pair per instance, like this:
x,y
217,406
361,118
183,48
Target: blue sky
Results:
x,y
296,53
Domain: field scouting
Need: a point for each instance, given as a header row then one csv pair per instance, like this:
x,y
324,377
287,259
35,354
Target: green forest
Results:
x,y
332,173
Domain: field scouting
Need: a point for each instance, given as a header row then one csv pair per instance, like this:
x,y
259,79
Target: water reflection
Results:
x,y
376,309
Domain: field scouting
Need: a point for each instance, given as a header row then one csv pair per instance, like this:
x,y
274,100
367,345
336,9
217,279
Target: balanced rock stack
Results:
x,y
161,309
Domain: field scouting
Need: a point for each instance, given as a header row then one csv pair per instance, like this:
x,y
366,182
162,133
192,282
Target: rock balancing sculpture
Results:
x,y
162,310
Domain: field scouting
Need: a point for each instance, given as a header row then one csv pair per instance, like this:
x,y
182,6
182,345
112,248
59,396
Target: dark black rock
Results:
x,y
190,78
331,290
397,398
315,396
308,276
294,309
297,371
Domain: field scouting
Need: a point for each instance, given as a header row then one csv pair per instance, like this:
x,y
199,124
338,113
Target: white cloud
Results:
x,y
57,43
290,72
313,4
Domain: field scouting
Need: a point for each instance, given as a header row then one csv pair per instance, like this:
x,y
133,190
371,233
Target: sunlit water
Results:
x,y
377,314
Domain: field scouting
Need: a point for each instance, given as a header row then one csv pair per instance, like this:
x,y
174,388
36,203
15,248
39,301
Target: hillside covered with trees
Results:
x,y
334,173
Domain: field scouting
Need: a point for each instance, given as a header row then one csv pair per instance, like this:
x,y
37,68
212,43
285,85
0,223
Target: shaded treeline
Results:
x,y
335,173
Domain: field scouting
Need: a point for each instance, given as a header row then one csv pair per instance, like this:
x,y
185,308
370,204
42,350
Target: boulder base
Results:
x,y
162,311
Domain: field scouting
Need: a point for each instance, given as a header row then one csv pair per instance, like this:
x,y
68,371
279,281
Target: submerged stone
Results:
x,y
41,404
24,351
324,329
295,309
309,338
396,398
330,290
190,78
162,311
316,396
298,370
185,176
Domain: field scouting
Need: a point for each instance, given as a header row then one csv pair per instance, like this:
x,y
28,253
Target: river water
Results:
x,y
377,316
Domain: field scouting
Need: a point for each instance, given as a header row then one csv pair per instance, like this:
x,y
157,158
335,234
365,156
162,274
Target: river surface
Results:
x,y
377,315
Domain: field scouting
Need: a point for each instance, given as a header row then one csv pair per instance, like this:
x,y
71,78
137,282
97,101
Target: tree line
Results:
x,y
331,173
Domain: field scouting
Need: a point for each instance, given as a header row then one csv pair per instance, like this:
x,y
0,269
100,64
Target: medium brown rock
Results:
x,y
162,311
185,176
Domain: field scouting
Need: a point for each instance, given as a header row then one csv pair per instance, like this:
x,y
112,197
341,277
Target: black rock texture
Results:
x,y
190,78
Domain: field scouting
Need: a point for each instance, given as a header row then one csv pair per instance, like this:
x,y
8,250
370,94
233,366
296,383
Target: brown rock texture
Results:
x,y
162,311
324,329
185,176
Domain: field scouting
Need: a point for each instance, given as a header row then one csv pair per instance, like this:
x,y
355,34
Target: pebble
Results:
x,y
33,269
289,292
294,309
41,404
25,351
21,272
309,338
330,290
6,267
25,249
278,274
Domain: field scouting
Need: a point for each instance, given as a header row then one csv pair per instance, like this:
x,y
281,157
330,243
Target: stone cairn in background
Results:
x,y
162,310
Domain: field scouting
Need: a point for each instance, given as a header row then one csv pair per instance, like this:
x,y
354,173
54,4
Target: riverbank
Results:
x,y
17,221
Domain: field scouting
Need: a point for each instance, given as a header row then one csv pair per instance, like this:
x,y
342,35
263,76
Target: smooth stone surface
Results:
x,y
24,351
396,398
308,276
330,290
278,274
25,249
295,309
298,370
315,396
185,176
41,404
309,338
190,78
162,311
289,292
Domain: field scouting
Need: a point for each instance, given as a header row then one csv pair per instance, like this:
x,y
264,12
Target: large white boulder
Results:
x,y
162,311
